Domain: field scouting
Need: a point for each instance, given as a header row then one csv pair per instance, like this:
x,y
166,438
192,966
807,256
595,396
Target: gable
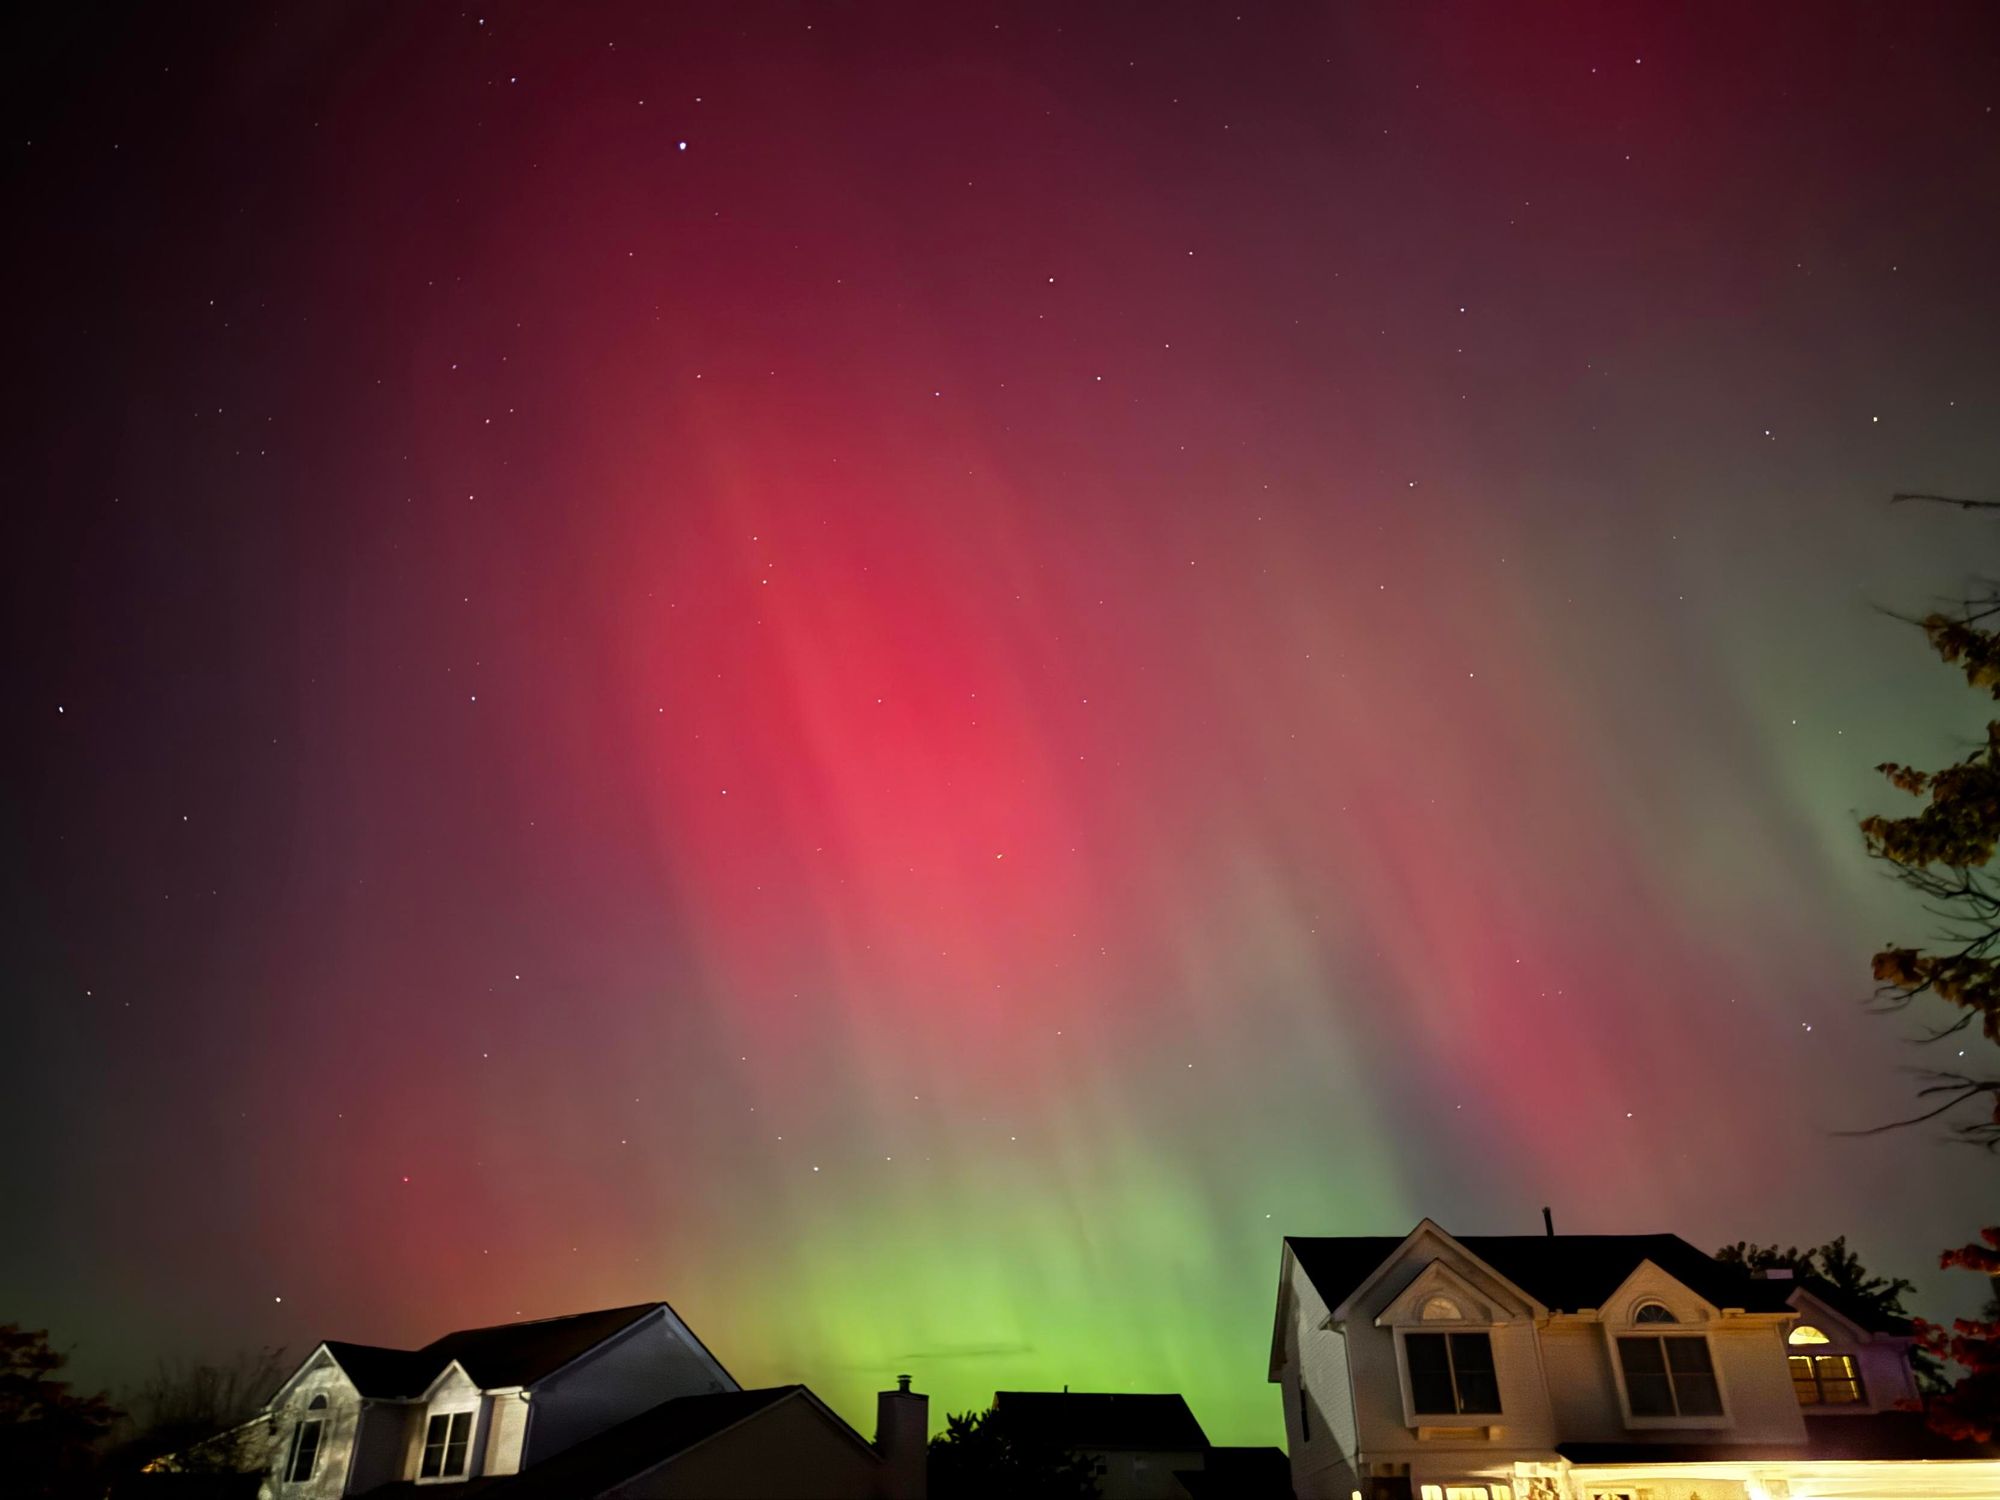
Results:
x,y
319,1370
1649,1284
1441,1281
1425,1246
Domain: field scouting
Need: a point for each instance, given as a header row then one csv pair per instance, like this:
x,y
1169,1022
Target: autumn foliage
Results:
x,y
1944,851
1971,1408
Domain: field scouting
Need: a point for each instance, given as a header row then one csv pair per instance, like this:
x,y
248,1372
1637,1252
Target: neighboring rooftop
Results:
x,y
599,1464
1853,1308
1086,1421
503,1355
1564,1272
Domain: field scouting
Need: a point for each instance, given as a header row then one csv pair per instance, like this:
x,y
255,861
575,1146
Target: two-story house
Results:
x,y
1588,1367
626,1402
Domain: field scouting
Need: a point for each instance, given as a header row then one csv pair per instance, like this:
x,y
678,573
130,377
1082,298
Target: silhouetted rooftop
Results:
x,y
1080,1421
503,1355
1564,1272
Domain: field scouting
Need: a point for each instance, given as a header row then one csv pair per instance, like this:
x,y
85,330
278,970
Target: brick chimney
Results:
x,y
902,1437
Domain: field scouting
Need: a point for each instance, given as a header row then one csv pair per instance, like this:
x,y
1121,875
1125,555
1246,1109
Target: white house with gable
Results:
x,y
1590,1367
624,1404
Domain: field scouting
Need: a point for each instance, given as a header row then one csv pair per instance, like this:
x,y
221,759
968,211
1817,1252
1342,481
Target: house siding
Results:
x,y
1322,1464
507,1431
385,1439
342,1417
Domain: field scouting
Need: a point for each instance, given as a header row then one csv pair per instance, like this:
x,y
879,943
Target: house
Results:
x,y
1589,1367
626,1402
1146,1447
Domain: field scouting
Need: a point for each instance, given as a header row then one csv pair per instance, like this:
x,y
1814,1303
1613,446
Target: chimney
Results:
x,y
1549,1222
902,1437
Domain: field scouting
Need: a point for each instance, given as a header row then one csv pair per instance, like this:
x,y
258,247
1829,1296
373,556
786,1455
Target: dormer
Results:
x,y
1662,1359
1839,1364
1446,1351
450,1435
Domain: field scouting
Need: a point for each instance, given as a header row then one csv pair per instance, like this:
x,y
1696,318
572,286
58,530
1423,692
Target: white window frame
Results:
x,y
1415,1418
1682,1330
458,1406
313,1417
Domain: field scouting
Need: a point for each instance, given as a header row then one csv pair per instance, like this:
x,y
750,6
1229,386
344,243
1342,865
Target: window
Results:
x,y
1442,1310
1655,1312
304,1456
1305,1416
1451,1374
1669,1377
445,1443
1825,1380
1805,1333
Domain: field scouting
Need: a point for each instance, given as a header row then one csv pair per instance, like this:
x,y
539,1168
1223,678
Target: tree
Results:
x,y
1943,853
186,1418
1841,1269
977,1457
1971,1408
47,1432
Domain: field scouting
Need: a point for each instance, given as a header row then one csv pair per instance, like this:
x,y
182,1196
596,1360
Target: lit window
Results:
x,y
1655,1312
1805,1333
1825,1380
1669,1377
1451,1374
1442,1310
445,1443
305,1450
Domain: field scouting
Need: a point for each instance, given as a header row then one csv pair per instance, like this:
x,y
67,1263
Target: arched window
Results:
x,y
1442,1310
1805,1333
318,1403
1654,1312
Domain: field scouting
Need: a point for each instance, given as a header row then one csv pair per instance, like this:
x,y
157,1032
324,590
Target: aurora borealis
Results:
x,y
914,675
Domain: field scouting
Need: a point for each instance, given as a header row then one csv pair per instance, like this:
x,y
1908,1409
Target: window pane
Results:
x,y
1430,1374
1804,1385
1688,1356
455,1445
305,1451
1699,1395
434,1436
1641,1357
1653,1312
1838,1383
1472,1363
1647,1385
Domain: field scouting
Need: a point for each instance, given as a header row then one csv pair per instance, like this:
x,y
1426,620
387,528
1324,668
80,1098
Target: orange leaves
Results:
x,y
1966,646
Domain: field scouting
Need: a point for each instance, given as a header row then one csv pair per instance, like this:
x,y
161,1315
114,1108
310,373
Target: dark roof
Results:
x,y
1081,1421
622,1453
522,1353
503,1355
1887,1435
1852,1308
1240,1474
383,1373
1563,1272
1678,1453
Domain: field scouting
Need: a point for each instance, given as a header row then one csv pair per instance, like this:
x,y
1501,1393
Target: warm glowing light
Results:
x,y
1805,1333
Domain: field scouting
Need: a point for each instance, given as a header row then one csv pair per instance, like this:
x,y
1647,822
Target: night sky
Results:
x,y
914,675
